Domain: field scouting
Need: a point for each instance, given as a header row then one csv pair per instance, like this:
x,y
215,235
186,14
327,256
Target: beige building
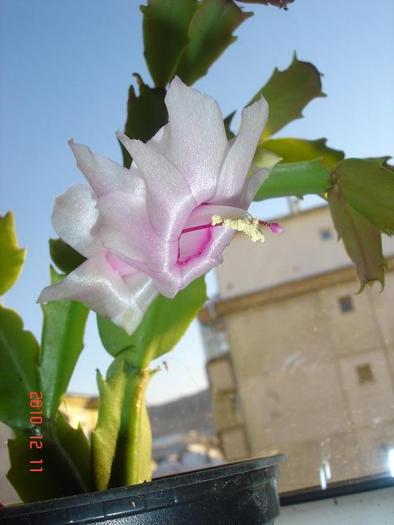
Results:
x,y
298,362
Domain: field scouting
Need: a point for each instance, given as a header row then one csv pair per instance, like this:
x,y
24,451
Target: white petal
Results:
x,y
239,158
142,288
74,216
97,285
125,229
103,174
198,140
143,292
161,140
169,199
203,214
252,185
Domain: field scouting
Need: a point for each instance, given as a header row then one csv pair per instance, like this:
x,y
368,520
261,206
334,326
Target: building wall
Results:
x,y
301,251
312,361
316,383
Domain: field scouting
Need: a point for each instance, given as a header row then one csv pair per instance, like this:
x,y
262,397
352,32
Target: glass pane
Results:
x,y
310,363
286,356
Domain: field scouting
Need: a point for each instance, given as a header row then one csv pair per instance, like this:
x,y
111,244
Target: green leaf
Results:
x,y
265,158
288,92
61,345
66,462
368,186
210,33
298,150
146,114
164,323
165,27
296,179
113,337
65,257
105,435
227,123
12,257
122,439
18,374
362,239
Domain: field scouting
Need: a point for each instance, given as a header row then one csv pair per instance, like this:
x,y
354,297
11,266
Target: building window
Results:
x,y
365,374
346,304
325,234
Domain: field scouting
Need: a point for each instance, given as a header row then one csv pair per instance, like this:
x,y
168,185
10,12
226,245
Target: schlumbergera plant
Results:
x,y
136,241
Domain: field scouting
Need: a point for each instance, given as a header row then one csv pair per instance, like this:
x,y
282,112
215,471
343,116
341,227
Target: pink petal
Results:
x,y
211,257
193,244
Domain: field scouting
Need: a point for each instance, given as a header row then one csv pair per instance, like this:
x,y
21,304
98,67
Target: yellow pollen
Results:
x,y
247,225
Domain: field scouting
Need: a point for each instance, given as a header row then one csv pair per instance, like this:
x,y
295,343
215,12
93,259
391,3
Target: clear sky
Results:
x,y
65,68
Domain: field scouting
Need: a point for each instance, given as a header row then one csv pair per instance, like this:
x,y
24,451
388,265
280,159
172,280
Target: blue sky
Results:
x,y
65,71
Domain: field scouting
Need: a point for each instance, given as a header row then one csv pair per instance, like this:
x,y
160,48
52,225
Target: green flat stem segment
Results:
x,y
122,440
132,461
65,460
12,257
295,179
61,345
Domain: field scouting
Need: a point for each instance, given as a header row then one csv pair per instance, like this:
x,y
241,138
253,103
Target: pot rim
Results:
x,y
171,482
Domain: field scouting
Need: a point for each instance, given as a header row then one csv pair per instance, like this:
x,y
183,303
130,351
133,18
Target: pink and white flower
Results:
x,y
148,229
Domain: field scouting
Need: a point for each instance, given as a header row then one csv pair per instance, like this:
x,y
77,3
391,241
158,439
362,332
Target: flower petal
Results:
x,y
201,250
124,228
97,285
169,199
212,256
239,158
203,214
74,216
161,140
198,140
252,185
103,174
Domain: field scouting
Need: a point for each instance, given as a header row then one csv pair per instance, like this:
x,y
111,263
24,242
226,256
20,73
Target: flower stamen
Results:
x,y
249,225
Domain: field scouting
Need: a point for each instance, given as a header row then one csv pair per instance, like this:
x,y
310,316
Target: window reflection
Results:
x,y
346,304
326,234
391,461
365,374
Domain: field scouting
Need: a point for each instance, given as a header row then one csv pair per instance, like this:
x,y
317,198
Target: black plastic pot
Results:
x,y
243,493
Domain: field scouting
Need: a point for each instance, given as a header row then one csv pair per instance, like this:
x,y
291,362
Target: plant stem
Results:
x,y
132,461
122,439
